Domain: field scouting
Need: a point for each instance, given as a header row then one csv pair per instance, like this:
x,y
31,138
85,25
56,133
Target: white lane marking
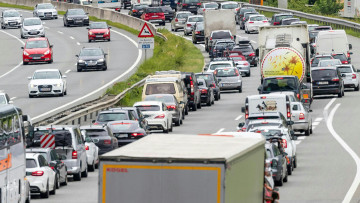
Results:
x,y
301,138
12,98
252,41
318,119
329,104
78,43
20,62
315,123
202,45
313,128
60,32
238,118
71,37
67,71
349,195
133,66
297,142
221,129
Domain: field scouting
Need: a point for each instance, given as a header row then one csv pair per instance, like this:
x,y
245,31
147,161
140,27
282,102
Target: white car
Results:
x,y
10,19
329,63
40,176
207,6
230,5
301,117
45,11
92,151
4,98
156,114
351,76
32,27
220,64
190,22
47,82
254,22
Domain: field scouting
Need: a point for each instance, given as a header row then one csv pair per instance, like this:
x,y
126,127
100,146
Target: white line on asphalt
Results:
x,y
221,129
315,123
318,119
356,182
12,98
329,104
238,118
68,71
46,27
60,32
133,66
301,138
72,37
78,43
252,41
297,142
202,45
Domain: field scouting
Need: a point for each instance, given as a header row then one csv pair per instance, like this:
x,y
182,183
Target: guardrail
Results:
x,y
327,20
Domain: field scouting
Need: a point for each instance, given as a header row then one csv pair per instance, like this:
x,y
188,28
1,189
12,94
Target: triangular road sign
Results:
x,y
145,31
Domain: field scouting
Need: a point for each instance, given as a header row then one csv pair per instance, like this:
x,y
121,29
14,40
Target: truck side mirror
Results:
x,y
257,52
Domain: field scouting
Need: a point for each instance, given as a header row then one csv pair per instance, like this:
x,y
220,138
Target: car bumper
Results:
x,y
199,38
297,126
244,70
158,124
324,91
175,116
51,16
34,91
12,25
204,98
39,33
157,21
99,37
230,86
73,166
253,28
276,174
37,184
96,66
178,25
351,83
188,29
38,58
78,23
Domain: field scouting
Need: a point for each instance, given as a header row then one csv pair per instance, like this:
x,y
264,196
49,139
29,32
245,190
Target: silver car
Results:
x,y
350,76
301,117
207,6
229,78
45,11
11,19
329,63
179,21
32,27
243,67
190,22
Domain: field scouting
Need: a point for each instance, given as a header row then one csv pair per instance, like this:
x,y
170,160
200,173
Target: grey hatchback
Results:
x,y
229,78
278,163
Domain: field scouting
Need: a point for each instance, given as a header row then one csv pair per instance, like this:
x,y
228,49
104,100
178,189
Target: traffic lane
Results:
x,y
10,53
84,191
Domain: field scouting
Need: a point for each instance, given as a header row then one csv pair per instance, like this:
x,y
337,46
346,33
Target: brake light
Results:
x,y
243,18
260,118
199,4
246,63
184,4
353,76
305,96
288,160
160,116
251,22
213,85
284,143
37,173
288,110
107,141
263,97
74,154
204,91
276,23
197,32
191,86
344,62
298,96
210,38
171,107
265,21
237,9
137,134
252,54
335,79
52,167
188,25
134,11
232,37
348,55
236,72
176,20
203,9
87,147
301,116
279,78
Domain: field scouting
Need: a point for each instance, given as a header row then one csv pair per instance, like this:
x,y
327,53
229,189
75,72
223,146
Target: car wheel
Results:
x,y
61,94
357,88
25,63
343,92
171,127
51,60
209,102
286,177
240,89
97,165
89,40
58,181
195,42
79,69
53,191
181,121
30,96
166,130
249,74
178,122
183,115
92,167
199,105
340,94
66,180
279,182
46,193
289,170
172,29
105,68
77,177
307,131
65,93
84,174
194,107
295,162
109,40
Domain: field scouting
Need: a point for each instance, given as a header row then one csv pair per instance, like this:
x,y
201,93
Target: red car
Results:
x,y
37,50
99,31
154,15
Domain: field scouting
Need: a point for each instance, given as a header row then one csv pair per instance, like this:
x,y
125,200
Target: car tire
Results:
x,y
195,42
357,88
307,131
30,96
77,177
240,89
61,94
53,191
58,181
89,40
105,68
46,193
249,74
194,107
65,92
166,130
109,40
79,69
213,101
295,162
91,167
171,127
183,115
187,110
286,177
84,174
289,170
97,165
25,63
178,122
279,182
208,103
199,105
66,181
340,94
51,61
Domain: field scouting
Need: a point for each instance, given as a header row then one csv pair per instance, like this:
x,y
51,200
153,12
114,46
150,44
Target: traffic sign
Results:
x,y
146,43
145,31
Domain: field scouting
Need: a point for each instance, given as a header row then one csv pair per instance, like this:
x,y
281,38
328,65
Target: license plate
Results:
x,y
45,89
192,6
222,85
33,33
323,83
36,58
79,21
12,23
122,135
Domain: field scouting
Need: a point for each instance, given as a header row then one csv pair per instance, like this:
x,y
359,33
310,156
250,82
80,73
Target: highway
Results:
x,y
326,159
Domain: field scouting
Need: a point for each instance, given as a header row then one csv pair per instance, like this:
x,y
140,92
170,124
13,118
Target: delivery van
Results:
x,y
332,41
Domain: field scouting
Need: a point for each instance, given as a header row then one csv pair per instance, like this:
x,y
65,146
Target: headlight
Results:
x,y
33,86
6,21
81,61
90,33
86,17
107,32
101,60
68,18
26,54
47,52
57,85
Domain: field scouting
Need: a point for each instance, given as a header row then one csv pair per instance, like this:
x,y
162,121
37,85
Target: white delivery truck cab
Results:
x,y
332,41
175,168
268,103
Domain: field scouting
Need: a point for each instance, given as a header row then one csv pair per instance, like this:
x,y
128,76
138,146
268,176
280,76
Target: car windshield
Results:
x,y
257,18
279,18
341,57
45,6
205,77
11,14
91,52
106,117
161,88
219,65
221,35
211,6
31,22
195,19
322,74
328,63
93,133
227,72
244,10
36,44
154,10
76,12
31,163
311,28
149,108
98,25
279,84
165,99
345,69
46,75
229,6
183,15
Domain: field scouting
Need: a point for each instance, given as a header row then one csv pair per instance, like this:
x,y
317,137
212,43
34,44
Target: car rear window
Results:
x,y
289,21
243,49
161,88
221,35
317,59
341,57
165,99
244,10
33,21
149,108
154,10
31,163
211,6
227,72
63,138
229,6
345,69
256,125
257,18
116,127
205,77
95,132
270,133
279,84
327,63
279,18
106,117
220,65
196,19
191,1
183,15
323,74
166,8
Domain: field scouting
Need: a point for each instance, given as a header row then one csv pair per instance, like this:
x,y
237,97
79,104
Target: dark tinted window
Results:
x,y
205,77
62,137
154,10
211,6
289,21
191,1
149,108
231,72
279,84
166,8
244,10
345,69
44,154
255,125
323,74
106,117
243,49
76,12
221,35
30,163
183,15
196,19
95,133
161,88
341,57
279,18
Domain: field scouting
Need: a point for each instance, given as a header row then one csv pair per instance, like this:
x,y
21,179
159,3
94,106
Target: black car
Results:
x,y
217,35
171,3
126,131
288,21
240,13
102,137
247,50
126,3
75,17
137,10
198,33
327,80
220,47
91,58
207,93
137,114
193,91
277,17
168,12
211,81
188,5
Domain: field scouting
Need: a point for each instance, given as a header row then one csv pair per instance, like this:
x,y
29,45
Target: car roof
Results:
x,y
148,103
214,31
44,3
114,111
229,2
195,16
71,9
31,18
322,68
266,121
31,155
37,39
326,60
46,70
91,48
87,127
183,12
322,55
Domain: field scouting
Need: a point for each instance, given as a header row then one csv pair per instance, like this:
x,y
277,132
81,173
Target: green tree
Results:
x,y
328,7
299,5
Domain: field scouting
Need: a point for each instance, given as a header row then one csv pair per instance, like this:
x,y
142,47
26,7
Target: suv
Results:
x,y
154,15
178,22
69,144
240,13
327,80
276,18
221,46
188,5
136,10
288,21
247,50
212,81
246,18
216,35
193,90
102,137
10,18
315,61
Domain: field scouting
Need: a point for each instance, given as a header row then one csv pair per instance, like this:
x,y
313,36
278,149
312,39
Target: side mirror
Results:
x,y
343,75
88,28
109,27
290,122
257,52
241,125
350,46
29,78
77,55
181,102
52,164
243,109
93,121
22,47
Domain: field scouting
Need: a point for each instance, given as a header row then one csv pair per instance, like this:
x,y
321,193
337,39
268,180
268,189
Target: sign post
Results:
x,y
146,39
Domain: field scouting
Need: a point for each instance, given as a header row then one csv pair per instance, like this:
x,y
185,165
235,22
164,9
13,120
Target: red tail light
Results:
x,y
237,9
348,55
197,32
199,4
87,147
236,72
52,167
311,61
265,21
213,85
353,76
243,18
246,63
74,154
210,38
251,22
335,79
232,37
276,23
137,134
37,173
176,20
107,141
171,107
204,9
301,116
246,116
184,4
298,96
160,116
284,143
134,11
188,25
204,91
252,54
344,62
288,110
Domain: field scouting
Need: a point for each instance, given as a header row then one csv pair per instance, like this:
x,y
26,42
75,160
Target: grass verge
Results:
x,y
5,5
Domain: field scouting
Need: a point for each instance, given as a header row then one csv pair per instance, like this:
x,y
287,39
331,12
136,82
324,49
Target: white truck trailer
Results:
x,y
175,168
